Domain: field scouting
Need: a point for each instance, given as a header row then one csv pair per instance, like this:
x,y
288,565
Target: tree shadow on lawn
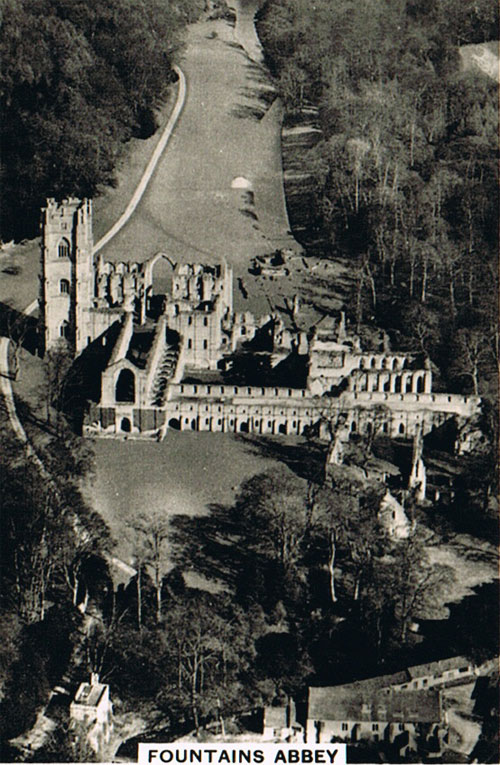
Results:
x,y
321,301
234,45
306,459
258,72
210,544
245,112
214,545
19,327
265,96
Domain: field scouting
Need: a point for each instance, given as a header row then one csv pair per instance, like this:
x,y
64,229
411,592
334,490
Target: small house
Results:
x,y
91,711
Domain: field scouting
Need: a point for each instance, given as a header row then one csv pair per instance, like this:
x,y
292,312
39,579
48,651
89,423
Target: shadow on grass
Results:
x,y
20,328
210,545
242,111
258,72
216,545
249,213
235,45
265,96
306,458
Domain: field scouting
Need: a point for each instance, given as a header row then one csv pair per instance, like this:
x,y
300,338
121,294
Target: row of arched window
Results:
x,y
63,249
385,364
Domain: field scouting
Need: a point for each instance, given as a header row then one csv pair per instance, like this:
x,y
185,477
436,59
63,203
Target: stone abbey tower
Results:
x,y
67,272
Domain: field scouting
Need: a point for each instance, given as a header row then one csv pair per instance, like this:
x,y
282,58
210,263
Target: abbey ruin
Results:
x,y
170,350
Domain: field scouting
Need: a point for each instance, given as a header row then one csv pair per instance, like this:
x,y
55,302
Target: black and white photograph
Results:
x,y
249,344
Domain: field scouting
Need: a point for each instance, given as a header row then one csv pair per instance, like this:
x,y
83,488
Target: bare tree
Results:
x,y
151,551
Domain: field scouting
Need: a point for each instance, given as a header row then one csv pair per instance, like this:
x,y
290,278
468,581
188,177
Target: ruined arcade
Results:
x,y
171,345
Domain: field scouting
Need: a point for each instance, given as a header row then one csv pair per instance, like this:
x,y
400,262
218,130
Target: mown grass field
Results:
x,y
183,474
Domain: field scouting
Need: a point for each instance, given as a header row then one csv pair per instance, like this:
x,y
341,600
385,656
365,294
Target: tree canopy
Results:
x,y
405,172
78,79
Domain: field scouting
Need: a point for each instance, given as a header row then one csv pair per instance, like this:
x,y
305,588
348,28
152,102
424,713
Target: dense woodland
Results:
x,y
78,78
304,587
309,588
405,173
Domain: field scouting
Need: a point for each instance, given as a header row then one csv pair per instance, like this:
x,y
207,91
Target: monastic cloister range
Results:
x,y
165,340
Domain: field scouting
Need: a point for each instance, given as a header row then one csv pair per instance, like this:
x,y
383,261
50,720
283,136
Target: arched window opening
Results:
x,y
125,387
372,363
420,385
64,287
398,384
402,429
125,425
64,330
63,249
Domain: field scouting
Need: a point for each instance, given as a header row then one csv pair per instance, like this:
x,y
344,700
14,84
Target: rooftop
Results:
x,y
438,667
358,703
89,695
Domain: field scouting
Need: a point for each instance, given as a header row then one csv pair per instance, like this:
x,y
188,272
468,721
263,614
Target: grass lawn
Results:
x,y
473,561
19,270
30,381
111,202
189,209
181,475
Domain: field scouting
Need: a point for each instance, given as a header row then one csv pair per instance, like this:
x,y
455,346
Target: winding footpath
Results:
x,y
10,405
152,164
